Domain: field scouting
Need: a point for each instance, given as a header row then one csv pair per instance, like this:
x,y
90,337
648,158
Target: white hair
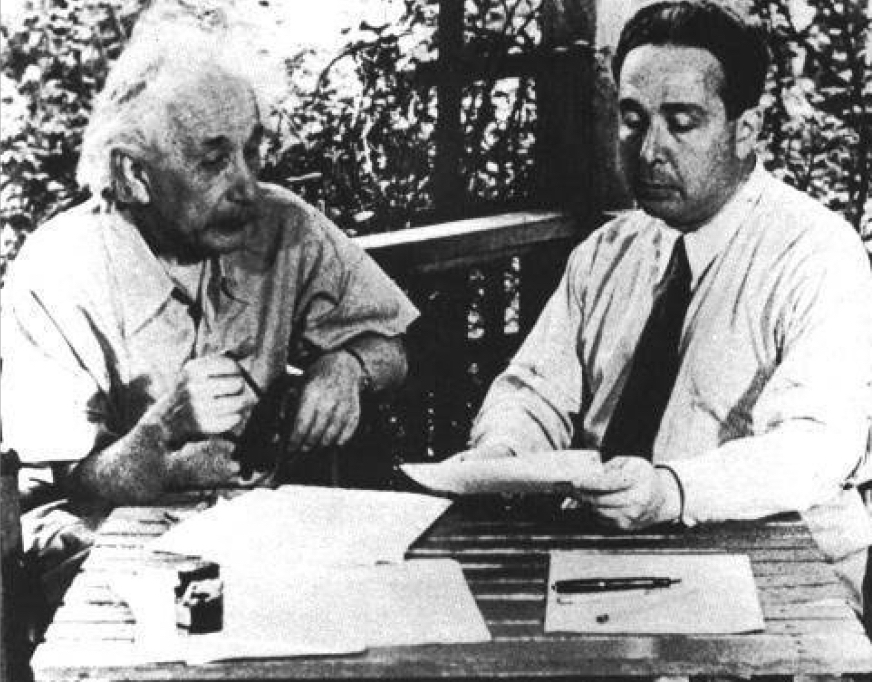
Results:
x,y
175,42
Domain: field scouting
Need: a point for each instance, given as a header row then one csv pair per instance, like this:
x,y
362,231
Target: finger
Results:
x,y
220,387
332,432
225,406
212,366
320,425
349,428
345,419
614,518
303,421
221,414
621,500
603,485
619,474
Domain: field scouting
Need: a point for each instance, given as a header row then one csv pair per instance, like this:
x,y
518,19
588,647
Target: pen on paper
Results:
x,y
593,585
608,608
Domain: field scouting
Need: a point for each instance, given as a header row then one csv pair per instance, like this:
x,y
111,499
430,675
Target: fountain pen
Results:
x,y
587,585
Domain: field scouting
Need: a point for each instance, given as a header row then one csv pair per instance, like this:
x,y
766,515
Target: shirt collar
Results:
x,y
705,243
143,284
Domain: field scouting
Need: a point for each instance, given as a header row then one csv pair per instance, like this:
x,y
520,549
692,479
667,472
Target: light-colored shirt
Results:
x,y
95,329
771,406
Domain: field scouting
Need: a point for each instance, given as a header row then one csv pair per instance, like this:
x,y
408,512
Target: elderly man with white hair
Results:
x,y
141,327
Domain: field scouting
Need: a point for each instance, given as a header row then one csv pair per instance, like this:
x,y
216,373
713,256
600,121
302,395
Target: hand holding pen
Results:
x,y
209,398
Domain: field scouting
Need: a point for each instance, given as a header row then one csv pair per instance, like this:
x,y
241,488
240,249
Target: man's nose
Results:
x,y
244,187
652,144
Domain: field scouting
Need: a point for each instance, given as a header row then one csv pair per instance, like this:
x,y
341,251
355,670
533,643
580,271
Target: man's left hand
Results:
x,y
632,494
329,408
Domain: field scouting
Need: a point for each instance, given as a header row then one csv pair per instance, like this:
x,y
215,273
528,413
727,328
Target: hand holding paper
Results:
x,y
631,493
560,471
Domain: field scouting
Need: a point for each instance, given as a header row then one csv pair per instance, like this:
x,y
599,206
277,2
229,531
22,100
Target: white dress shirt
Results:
x,y
771,407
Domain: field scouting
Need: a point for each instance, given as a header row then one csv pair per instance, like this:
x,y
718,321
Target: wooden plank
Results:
x,y
641,655
461,243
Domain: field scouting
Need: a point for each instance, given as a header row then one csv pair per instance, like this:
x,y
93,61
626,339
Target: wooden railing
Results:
x,y
480,285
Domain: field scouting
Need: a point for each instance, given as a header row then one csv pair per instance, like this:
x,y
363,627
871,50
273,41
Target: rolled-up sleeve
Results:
x,y
345,293
528,407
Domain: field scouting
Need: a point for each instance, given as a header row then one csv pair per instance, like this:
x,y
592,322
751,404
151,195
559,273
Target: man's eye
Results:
x,y
682,123
632,120
215,161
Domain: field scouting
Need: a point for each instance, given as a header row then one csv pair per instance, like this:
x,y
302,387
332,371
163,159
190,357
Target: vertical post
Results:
x,y
448,185
565,160
610,188
413,402
14,666
564,90
450,357
449,190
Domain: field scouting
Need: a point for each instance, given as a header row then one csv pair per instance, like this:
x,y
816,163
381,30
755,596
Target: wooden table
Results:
x,y
504,551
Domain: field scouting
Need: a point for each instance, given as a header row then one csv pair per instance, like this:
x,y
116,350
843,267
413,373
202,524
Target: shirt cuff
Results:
x,y
682,498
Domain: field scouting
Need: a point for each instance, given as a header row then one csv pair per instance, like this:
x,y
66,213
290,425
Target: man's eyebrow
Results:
x,y
683,107
629,103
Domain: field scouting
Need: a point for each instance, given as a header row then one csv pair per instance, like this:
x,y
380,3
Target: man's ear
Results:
x,y
748,127
129,179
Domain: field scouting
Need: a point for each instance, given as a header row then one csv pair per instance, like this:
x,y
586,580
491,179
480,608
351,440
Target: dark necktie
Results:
x,y
636,419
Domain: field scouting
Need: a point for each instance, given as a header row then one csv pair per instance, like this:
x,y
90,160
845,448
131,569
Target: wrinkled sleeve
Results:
x,y
810,423
52,407
528,407
345,293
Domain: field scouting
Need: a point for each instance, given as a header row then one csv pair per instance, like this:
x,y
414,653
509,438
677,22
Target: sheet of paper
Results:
x,y
545,472
716,595
262,619
417,602
306,525
270,612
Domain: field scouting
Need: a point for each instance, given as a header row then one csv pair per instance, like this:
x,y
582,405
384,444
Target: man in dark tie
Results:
x,y
714,345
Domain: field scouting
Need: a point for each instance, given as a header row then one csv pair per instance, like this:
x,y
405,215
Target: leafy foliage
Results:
x,y
818,104
53,65
374,149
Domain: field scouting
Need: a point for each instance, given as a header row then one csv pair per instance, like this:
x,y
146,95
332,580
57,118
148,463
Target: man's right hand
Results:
x,y
209,398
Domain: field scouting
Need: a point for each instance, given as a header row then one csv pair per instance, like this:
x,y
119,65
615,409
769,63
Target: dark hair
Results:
x,y
739,46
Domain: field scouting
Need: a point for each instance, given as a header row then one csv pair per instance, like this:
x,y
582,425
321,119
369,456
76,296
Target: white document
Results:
x,y
262,619
544,472
273,612
306,525
716,594
422,601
